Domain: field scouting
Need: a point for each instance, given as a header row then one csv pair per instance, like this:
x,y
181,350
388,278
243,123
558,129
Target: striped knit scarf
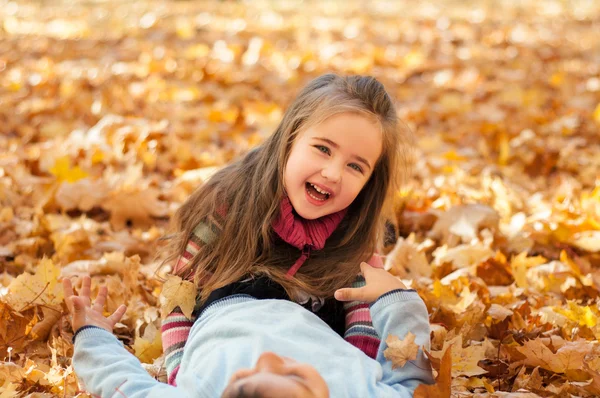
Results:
x,y
305,235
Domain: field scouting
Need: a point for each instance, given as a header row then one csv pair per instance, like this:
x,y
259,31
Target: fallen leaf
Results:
x,y
134,208
148,347
520,264
83,194
42,329
465,221
14,331
405,260
568,357
587,240
498,312
400,351
463,256
464,360
41,288
442,386
178,293
64,172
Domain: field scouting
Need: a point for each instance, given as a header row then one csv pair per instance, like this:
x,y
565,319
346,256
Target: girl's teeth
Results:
x,y
318,190
327,194
315,198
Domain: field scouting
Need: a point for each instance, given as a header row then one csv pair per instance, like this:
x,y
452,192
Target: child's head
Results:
x,y
338,134
275,376
338,146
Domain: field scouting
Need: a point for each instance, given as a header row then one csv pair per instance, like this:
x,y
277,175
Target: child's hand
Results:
x,y
378,282
84,313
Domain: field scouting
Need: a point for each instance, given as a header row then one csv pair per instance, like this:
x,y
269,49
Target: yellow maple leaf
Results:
x,y
467,298
41,288
401,351
464,360
64,172
520,264
149,346
583,315
178,293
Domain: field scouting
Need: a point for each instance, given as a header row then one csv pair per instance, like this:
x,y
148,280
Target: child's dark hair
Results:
x,y
250,191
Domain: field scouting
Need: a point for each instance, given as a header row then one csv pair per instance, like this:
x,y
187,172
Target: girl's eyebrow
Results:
x,y
336,146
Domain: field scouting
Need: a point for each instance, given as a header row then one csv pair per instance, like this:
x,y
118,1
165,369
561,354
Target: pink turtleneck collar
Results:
x,y
306,235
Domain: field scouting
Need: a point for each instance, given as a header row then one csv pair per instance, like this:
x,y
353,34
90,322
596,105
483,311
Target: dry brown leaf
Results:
x,y
520,264
15,330
41,288
464,359
178,293
11,372
568,357
506,115
83,194
134,208
400,351
405,260
498,312
42,329
442,386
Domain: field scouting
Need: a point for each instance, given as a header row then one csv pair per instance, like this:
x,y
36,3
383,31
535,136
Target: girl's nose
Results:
x,y
332,173
270,362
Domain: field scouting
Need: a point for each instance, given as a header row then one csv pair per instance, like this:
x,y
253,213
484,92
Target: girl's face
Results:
x,y
275,376
330,163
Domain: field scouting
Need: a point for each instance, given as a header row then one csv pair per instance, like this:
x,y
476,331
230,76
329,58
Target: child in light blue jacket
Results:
x,y
243,347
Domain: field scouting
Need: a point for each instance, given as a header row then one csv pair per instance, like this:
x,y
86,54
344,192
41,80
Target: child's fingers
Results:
x,y
78,311
118,314
349,294
365,267
101,299
68,292
85,287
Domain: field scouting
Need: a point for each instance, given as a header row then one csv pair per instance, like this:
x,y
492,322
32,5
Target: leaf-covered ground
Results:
x,y
112,113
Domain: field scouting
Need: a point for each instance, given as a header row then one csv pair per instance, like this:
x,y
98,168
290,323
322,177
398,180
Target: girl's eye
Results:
x,y
356,167
323,149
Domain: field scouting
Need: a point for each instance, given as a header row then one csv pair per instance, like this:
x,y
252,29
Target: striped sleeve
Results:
x,y
176,327
175,331
359,326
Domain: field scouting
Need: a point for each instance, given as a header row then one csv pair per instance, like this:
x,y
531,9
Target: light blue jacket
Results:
x,y
233,332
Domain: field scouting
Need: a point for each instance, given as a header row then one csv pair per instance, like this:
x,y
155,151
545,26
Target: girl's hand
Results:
x,y
84,313
378,282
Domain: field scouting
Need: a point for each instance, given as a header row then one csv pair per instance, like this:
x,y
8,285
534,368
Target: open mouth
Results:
x,y
317,193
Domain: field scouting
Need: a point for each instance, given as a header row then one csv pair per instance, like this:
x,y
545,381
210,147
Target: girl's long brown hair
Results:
x,y
251,190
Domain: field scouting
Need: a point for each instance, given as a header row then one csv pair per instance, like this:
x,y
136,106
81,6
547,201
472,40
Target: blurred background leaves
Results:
x,y
112,113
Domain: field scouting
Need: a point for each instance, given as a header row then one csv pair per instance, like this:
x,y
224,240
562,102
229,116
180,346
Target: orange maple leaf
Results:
x,y
441,388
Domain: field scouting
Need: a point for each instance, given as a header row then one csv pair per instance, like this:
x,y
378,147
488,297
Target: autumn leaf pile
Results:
x,y
112,113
